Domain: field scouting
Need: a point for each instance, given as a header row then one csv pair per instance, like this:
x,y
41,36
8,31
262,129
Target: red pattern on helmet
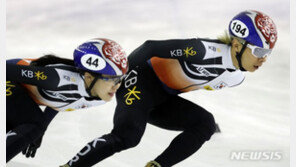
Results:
x,y
267,28
115,53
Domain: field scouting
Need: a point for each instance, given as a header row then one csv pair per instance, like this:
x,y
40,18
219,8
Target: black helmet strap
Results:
x,y
96,77
88,90
239,57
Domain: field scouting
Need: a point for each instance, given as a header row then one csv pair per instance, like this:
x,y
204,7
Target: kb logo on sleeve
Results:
x,y
132,94
189,51
30,74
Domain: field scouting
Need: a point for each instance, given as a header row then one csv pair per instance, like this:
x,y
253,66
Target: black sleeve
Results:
x,y
181,49
49,114
43,77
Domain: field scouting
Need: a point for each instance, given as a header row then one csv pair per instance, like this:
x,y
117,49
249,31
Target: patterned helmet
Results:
x,y
102,56
254,27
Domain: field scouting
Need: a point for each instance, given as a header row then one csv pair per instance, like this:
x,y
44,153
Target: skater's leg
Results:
x,y
197,126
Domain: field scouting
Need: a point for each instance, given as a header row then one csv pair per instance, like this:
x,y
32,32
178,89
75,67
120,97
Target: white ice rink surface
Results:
x,y
253,116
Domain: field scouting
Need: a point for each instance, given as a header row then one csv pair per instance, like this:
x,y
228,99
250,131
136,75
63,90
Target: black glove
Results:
x,y
30,151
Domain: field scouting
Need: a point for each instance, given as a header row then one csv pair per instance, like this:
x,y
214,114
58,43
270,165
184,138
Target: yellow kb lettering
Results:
x,y
40,75
8,88
189,52
131,96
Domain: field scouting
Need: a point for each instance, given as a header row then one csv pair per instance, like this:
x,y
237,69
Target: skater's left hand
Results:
x,y
30,151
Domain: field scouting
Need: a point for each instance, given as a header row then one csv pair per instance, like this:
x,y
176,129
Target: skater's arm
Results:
x,y
182,49
49,114
44,77
31,150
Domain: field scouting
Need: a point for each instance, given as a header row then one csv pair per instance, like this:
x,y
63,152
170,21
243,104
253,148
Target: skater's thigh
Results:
x,y
178,113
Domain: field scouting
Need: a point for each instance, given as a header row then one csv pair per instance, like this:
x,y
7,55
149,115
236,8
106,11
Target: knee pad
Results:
x,y
116,142
206,128
128,140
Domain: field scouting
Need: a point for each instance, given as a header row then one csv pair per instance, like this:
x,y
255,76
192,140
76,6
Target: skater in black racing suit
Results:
x,y
161,70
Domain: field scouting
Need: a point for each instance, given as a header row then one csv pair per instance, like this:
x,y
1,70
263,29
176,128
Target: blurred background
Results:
x,y
253,116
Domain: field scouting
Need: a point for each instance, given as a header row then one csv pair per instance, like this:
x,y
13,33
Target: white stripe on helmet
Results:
x,y
111,63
